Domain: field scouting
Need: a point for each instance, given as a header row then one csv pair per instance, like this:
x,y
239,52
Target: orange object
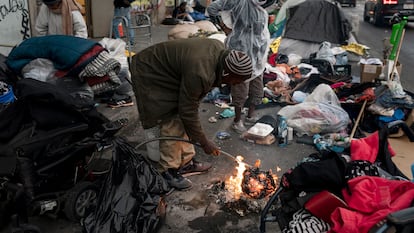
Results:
x,y
120,30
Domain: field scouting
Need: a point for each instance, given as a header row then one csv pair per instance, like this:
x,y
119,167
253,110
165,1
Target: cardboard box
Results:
x,y
268,140
370,72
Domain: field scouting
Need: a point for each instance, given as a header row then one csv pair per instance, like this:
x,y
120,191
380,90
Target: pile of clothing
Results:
x,y
56,57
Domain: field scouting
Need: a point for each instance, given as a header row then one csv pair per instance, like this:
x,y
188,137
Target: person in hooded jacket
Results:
x,y
61,17
245,24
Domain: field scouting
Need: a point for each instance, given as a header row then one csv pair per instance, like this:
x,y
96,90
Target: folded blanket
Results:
x,y
102,73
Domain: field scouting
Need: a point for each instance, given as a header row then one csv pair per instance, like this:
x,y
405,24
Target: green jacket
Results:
x,y
172,77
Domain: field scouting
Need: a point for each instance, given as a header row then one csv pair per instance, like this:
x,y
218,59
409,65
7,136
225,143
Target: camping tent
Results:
x,y
311,20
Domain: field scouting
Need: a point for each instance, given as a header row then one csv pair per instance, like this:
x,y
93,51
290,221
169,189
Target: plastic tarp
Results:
x,y
299,47
313,21
249,22
317,21
131,198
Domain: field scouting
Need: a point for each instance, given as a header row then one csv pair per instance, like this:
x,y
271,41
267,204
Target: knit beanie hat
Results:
x,y
239,63
51,2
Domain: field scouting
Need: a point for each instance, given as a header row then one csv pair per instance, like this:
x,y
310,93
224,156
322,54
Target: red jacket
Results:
x,y
370,200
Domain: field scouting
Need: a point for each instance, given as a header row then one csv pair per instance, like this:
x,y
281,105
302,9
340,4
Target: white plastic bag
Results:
x,y
116,49
41,69
320,113
326,53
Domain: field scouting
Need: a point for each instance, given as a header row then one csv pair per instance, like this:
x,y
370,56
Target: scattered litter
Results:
x,y
222,105
223,135
212,119
227,113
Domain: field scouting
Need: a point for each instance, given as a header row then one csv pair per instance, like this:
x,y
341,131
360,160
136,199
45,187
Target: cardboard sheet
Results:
x,y
405,156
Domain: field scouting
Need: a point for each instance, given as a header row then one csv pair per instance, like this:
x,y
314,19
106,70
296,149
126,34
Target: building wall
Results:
x,y
102,12
15,23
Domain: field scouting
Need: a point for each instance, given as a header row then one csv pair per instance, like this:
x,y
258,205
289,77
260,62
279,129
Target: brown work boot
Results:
x,y
194,167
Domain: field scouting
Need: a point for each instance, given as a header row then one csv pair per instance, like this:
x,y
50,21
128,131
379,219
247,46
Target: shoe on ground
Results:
x,y
238,127
251,120
117,103
194,167
176,180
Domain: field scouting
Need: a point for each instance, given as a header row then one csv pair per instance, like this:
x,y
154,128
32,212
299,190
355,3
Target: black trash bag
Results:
x,y
131,198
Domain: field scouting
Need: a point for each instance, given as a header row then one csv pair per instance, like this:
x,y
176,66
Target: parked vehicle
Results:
x,y
351,3
381,11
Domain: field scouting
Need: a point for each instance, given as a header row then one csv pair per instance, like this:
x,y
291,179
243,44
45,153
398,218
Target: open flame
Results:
x,y
233,184
250,181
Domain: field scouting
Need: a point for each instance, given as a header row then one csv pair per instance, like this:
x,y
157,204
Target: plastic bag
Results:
x,y
323,93
342,58
320,113
326,53
294,59
80,91
41,69
116,49
131,198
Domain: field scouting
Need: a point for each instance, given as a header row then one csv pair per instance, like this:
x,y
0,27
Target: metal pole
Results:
x,y
188,141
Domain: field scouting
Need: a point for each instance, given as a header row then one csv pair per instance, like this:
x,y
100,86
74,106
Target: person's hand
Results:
x,y
210,148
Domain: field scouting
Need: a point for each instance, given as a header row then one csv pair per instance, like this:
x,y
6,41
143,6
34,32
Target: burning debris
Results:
x,y
258,184
233,184
245,192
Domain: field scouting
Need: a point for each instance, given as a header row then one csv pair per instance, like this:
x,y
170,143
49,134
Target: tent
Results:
x,y
313,21
304,24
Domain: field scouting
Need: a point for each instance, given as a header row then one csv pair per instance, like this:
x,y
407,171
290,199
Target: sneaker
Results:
x,y
251,120
113,103
176,180
238,127
194,167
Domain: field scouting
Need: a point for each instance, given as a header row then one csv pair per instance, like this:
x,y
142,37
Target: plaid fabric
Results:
x,y
104,67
